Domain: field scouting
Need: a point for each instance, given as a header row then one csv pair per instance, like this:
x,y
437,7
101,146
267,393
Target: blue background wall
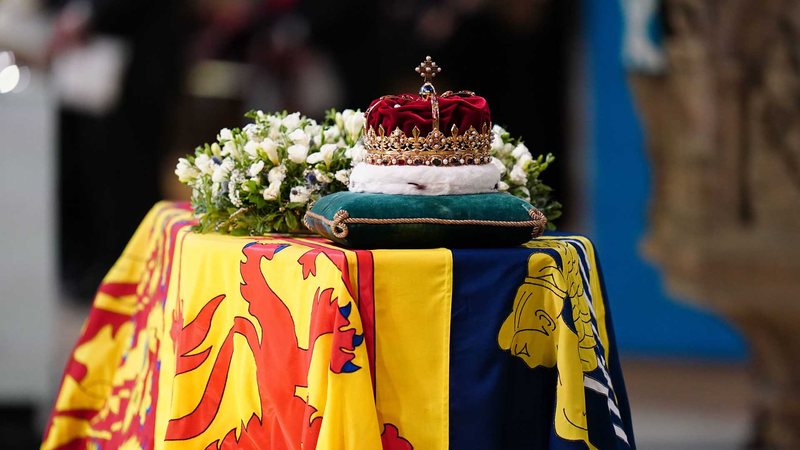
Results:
x,y
647,322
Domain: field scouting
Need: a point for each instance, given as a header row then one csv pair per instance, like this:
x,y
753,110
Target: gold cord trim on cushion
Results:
x,y
342,218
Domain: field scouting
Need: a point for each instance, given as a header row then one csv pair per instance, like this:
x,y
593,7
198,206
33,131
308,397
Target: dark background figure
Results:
x,y
109,162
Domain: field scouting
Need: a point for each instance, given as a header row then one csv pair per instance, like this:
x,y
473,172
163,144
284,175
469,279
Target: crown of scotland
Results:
x,y
450,129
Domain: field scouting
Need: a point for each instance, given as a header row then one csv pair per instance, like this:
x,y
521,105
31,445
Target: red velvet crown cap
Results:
x,y
410,110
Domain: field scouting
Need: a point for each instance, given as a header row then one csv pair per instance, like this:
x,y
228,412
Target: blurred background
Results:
x,y
668,120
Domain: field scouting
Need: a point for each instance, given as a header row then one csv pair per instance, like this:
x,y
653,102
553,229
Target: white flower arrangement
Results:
x,y
262,178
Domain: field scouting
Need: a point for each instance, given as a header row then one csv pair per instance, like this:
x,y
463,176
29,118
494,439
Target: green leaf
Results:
x,y
291,221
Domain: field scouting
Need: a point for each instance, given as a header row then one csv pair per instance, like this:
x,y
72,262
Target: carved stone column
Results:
x,y
723,131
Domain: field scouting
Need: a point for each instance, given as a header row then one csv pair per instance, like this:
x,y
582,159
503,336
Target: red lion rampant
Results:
x,y
287,421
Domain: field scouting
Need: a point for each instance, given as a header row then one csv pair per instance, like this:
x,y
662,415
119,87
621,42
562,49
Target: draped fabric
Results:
x,y
280,342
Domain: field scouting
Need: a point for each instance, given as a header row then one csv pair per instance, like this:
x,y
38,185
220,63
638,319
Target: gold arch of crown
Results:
x,y
435,149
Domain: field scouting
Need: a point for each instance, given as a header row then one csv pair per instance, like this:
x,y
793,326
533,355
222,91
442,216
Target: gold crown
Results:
x,y
437,149
470,147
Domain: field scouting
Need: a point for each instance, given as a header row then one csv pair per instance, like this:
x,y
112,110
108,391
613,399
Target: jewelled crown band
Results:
x,y
390,145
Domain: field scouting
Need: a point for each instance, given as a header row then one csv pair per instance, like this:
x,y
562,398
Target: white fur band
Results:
x,y
424,180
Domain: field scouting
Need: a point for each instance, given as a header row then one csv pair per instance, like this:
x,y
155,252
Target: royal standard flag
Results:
x,y
280,342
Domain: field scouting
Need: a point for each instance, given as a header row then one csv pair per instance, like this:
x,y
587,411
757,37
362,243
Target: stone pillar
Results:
x,y
723,137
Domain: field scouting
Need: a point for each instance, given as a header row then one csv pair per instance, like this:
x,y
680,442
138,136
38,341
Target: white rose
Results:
x,y
272,191
299,137
271,149
298,153
185,171
356,153
518,176
256,168
499,164
225,135
343,176
205,164
520,150
291,122
354,123
502,186
251,148
299,194
276,174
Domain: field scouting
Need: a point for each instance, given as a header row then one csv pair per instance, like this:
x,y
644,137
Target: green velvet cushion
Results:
x,y
415,221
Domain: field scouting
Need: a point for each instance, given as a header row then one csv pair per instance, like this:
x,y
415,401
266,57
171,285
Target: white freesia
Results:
x,y
204,163
502,186
274,123
276,174
356,153
314,158
225,135
297,153
231,149
291,122
322,177
271,149
327,151
299,137
272,191
185,171
251,148
299,194
497,138
520,150
343,176
313,131
518,176
524,161
222,171
255,168
331,134
216,150
354,122
506,149
253,131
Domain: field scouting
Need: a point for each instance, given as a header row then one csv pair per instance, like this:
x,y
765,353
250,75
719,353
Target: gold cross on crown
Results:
x,y
428,69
